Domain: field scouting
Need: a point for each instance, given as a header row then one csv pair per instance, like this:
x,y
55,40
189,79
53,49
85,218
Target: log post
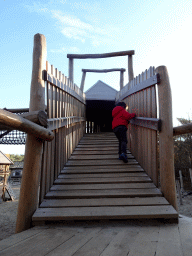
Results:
x,y
181,181
121,79
83,81
130,68
190,173
28,201
71,69
166,152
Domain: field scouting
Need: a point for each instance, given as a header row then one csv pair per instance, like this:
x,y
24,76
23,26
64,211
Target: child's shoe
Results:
x,y
123,157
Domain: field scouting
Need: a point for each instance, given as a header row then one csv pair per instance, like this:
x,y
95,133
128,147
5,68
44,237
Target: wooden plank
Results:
x,y
38,244
99,169
126,212
120,244
76,242
97,244
103,193
95,152
97,147
96,157
185,230
100,162
97,186
102,180
20,237
47,203
141,175
145,243
169,242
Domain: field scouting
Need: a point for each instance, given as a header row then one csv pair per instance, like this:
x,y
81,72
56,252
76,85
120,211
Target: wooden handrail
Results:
x,y
101,55
19,123
183,129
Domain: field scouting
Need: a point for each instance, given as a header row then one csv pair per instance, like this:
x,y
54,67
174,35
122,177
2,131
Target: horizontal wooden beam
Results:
x,y
183,129
17,110
56,123
101,55
151,123
38,117
17,122
104,70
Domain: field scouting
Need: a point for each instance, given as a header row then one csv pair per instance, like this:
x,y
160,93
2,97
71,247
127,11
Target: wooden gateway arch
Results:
x,y
121,70
69,175
101,56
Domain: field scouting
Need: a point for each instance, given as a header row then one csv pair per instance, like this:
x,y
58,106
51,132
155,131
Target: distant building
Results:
x,y
16,169
4,164
100,101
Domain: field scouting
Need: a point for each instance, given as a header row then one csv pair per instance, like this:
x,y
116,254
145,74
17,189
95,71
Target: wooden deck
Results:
x,y
112,238
96,185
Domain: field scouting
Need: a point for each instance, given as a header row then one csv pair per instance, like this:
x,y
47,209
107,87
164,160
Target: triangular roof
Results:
x,y
4,160
101,91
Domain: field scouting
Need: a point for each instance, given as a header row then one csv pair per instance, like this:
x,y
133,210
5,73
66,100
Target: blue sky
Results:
x,y
158,31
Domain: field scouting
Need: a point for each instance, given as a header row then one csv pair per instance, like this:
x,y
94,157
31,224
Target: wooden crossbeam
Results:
x,y
102,55
104,70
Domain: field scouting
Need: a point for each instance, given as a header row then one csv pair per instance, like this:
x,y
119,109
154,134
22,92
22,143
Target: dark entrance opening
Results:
x,y
99,112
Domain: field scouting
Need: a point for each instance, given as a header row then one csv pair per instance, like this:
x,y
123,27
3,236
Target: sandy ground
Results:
x,y
8,211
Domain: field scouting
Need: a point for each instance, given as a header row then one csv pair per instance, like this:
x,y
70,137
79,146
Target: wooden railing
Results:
x,y
144,131
66,125
66,118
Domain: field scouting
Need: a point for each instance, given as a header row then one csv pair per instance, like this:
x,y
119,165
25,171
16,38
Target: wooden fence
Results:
x,y
66,118
66,125
151,138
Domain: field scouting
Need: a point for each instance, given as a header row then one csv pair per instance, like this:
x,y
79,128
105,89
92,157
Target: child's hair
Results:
x,y
121,104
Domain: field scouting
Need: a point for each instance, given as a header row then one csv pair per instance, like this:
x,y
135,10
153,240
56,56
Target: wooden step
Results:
x,y
107,175
58,203
117,193
98,157
96,185
100,162
95,213
97,168
102,180
102,186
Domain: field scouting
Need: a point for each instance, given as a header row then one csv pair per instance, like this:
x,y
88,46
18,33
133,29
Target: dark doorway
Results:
x,y
100,113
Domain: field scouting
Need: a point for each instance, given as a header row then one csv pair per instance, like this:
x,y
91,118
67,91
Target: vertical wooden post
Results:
x,y
130,68
190,173
28,201
4,183
166,152
71,70
83,81
121,79
181,180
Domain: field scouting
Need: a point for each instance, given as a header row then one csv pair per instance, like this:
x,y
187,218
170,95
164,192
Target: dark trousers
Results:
x,y
121,134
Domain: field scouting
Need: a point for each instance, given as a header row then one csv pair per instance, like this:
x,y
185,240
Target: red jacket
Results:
x,y
121,116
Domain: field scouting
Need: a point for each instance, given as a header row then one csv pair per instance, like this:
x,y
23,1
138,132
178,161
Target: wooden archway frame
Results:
x,y
103,55
121,70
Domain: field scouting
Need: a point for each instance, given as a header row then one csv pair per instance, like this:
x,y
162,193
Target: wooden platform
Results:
x,y
112,238
96,185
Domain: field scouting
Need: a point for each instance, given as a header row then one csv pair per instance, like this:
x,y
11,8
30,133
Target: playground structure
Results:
x,y
48,150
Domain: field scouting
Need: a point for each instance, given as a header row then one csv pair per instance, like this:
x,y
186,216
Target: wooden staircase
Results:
x,y
96,185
